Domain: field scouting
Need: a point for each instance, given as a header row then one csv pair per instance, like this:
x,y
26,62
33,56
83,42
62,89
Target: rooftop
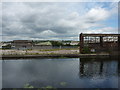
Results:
x,y
85,34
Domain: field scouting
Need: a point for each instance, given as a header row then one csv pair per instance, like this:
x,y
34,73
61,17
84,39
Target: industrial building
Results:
x,y
99,42
22,44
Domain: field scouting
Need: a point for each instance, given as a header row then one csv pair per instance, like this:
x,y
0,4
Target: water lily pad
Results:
x,y
63,83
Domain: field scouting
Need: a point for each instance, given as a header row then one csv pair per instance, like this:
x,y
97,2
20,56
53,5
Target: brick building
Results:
x,y
100,42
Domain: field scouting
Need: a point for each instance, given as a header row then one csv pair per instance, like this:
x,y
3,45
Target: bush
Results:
x,y
86,50
56,43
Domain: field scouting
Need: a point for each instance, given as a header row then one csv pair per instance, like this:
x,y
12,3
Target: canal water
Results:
x,y
61,73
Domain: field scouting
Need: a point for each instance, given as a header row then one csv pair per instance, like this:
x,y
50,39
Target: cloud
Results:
x,y
52,20
97,14
105,30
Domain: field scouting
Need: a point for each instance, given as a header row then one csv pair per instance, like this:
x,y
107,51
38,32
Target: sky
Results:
x,y
57,20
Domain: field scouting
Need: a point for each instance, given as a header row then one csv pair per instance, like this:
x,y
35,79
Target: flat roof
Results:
x,y
85,34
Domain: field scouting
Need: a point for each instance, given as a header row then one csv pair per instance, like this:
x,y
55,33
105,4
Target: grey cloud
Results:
x,y
33,20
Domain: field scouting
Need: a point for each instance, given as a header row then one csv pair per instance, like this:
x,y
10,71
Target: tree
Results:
x,y
6,47
56,43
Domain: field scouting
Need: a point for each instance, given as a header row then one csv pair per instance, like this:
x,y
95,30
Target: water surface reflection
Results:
x,y
98,67
77,73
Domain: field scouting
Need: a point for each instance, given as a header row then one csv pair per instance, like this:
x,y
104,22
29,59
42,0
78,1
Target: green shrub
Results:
x,y
86,50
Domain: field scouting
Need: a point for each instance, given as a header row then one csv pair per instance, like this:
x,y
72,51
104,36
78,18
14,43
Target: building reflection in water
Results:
x,y
119,67
119,73
98,67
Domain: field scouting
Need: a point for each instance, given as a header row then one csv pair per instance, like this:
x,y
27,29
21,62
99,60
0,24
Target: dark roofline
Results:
x,y
99,34
22,40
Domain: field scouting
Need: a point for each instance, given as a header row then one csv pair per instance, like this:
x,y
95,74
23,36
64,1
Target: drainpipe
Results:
x,y
81,42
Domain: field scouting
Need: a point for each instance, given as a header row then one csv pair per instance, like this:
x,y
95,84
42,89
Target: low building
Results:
x,y
5,45
2,45
74,43
22,44
42,45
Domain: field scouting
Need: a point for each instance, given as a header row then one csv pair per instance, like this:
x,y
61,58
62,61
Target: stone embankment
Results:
x,y
46,53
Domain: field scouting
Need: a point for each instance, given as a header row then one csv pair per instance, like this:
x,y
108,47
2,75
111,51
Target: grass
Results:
x,y
45,49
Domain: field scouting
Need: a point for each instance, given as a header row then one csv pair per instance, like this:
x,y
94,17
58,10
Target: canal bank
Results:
x,y
56,56
52,53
